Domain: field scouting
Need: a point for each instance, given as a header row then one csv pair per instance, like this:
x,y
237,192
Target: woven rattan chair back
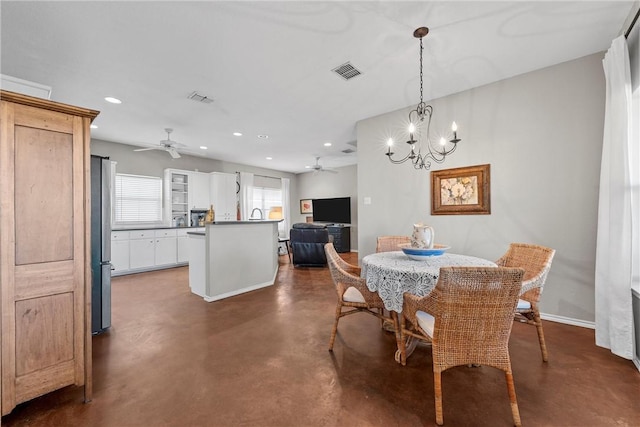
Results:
x,y
347,280
390,243
473,309
536,262
474,316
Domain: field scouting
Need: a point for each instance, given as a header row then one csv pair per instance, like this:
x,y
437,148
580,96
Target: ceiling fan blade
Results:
x,y
329,170
150,148
173,152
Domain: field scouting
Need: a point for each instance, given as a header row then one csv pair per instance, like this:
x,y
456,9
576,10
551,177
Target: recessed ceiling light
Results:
x,y
263,136
237,134
93,127
307,167
113,100
202,147
327,144
269,158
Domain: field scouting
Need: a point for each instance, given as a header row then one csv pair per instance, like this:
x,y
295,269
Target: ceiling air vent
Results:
x,y
346,71
351,150
200,98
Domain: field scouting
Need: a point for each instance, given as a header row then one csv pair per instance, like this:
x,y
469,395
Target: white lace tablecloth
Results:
x,y
393,273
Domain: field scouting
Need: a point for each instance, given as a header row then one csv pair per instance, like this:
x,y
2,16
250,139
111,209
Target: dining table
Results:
x,y
391,274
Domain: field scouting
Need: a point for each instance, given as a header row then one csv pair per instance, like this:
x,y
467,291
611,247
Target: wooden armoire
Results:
x,y
45,252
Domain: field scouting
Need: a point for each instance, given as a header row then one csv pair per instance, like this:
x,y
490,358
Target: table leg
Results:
x,y
396,323
409,345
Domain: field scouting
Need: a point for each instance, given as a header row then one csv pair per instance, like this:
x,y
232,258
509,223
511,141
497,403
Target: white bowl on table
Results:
x,y
422,254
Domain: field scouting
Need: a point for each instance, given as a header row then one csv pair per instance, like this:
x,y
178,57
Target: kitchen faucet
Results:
x,y
253,211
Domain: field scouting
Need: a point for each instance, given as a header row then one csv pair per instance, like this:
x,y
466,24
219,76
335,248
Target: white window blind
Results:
x,y
265,199
137,199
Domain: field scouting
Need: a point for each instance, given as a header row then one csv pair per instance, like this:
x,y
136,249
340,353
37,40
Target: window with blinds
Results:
x,y
265,198
138,199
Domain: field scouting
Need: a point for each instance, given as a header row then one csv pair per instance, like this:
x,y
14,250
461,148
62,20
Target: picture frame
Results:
x,y
306,206
461,191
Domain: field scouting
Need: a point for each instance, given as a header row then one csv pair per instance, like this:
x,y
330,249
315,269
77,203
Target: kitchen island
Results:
x,y
232,257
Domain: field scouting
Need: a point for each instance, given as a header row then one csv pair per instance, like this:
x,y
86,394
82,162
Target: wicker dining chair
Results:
x,y
352,291
468,318
536,262
390,243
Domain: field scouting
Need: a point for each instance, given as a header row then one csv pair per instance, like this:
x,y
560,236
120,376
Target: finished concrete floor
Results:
x,y
261,359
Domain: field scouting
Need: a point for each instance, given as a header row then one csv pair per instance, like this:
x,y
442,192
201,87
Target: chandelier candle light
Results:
x,y
416,122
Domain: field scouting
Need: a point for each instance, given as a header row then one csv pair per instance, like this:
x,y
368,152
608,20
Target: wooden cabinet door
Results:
x,y
44,251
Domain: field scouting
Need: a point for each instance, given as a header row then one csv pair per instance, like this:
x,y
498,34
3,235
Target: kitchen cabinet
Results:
x,y
134,251
119,251
45,272
199,190
176,197
223,196
166,247
182,244
142,246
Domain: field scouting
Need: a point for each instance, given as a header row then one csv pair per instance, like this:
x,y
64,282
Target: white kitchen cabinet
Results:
x,y
133,251
166,247
176,197
183,249
119,251
223,196
142,246
199,190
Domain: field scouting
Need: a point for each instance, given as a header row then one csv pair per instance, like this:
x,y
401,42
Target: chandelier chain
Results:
x,y
421,48
422,150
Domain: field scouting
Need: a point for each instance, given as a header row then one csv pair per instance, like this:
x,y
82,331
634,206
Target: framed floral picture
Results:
x,y
461,191
306,207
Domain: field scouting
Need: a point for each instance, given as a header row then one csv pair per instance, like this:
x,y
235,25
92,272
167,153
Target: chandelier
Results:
x,y
419,130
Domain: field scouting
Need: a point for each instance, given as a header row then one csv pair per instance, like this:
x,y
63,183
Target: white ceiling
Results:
x,y
267,65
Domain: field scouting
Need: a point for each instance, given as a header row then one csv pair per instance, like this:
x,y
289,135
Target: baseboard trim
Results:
x,y
242,291
568,320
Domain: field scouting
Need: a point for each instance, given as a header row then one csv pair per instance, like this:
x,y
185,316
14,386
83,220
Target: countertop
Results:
x,y
152,227
160,227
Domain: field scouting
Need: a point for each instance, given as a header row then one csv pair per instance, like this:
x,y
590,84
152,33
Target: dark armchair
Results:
x,y
307,244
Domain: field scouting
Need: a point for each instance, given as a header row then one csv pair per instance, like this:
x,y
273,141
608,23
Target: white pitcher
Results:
x,y
422,237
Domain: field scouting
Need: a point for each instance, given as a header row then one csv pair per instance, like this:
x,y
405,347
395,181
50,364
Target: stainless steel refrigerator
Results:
x,y
100,244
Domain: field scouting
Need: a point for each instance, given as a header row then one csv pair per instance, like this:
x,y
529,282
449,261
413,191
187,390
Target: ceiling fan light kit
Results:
x,y
420,136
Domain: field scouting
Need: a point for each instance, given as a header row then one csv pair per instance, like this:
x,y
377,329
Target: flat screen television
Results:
x,y
336,210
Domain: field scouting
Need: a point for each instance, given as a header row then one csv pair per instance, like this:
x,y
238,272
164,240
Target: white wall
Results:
x,y
322,185
154,162
541,132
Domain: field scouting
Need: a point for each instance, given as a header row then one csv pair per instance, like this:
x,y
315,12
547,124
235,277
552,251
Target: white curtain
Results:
x,y
614,327
286,205
246,195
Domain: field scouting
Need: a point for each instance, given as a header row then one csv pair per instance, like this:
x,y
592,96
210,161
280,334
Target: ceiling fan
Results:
x,y
167,145
319,168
